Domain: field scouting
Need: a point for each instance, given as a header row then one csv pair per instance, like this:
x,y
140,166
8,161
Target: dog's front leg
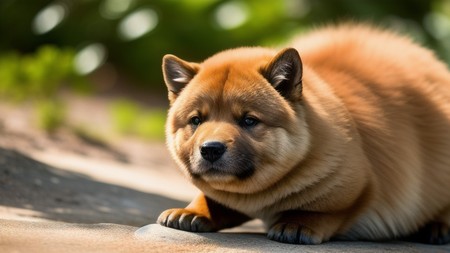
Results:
x,y
299,227
202,215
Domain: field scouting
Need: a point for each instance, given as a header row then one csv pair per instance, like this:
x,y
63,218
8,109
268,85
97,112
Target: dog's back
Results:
x,y
346,135
398,96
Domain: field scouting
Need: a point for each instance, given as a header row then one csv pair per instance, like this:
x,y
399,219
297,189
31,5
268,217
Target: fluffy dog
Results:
x,y
352,140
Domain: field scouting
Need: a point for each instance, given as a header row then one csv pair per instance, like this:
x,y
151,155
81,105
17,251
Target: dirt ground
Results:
x,y
66,193
67,177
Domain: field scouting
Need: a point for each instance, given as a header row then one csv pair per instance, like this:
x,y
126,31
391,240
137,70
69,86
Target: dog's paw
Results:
x,y
185,220
440,234
432,233
293,233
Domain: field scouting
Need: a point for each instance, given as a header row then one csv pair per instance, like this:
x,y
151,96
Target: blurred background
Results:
x,y
94,66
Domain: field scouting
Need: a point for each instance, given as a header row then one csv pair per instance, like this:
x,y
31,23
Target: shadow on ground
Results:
x,y
56,194
49,237
60,195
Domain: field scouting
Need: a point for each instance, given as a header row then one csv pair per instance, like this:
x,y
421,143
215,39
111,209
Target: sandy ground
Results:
x,y
63,193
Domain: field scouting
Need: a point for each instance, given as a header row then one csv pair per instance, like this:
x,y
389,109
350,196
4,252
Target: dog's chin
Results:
x,y
213,176
221,174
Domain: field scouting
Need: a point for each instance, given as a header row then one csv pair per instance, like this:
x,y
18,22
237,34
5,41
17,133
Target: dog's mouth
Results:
x,y
223,173
211,173
215,161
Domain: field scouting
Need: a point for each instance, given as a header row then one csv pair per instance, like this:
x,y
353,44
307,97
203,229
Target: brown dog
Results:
x,y
352,141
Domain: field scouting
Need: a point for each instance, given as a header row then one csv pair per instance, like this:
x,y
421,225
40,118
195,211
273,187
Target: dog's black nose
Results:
x,y
212,150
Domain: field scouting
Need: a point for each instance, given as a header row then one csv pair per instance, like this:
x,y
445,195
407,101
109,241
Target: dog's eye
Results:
x,y
196,121
248,121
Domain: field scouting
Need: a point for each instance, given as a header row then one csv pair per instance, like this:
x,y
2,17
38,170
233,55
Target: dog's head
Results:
x,y
236,122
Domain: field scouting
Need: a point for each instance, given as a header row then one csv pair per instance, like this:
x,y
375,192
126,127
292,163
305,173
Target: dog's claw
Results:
x,y
183,219
433,233
293,233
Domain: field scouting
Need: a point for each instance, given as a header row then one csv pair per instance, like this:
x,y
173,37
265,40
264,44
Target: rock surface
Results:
x,y
55,237
62,194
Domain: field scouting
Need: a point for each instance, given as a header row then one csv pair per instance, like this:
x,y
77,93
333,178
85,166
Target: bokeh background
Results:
x,y
109,51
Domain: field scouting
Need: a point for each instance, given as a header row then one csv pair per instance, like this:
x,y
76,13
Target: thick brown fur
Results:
x,y
352,141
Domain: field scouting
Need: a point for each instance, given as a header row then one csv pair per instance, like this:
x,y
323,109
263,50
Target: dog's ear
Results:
x,y
177,73
284,72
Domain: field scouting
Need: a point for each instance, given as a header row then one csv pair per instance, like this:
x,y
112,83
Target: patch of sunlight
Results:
x,y
438,25
138,23
113,9
48,18
90,58
230,15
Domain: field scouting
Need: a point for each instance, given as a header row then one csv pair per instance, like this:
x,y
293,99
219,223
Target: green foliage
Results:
x,y
89,135
191,30
50,115
130,118
37,76
150,125
124,113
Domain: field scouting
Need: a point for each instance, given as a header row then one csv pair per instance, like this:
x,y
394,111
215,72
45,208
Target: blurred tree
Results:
x,y
133,35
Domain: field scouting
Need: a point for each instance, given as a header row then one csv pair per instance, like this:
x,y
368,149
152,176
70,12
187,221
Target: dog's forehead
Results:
x,y
234,69
235,91
234,82
237,56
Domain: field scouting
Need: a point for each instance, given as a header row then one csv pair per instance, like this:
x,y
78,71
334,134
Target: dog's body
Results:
x,y
352,141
